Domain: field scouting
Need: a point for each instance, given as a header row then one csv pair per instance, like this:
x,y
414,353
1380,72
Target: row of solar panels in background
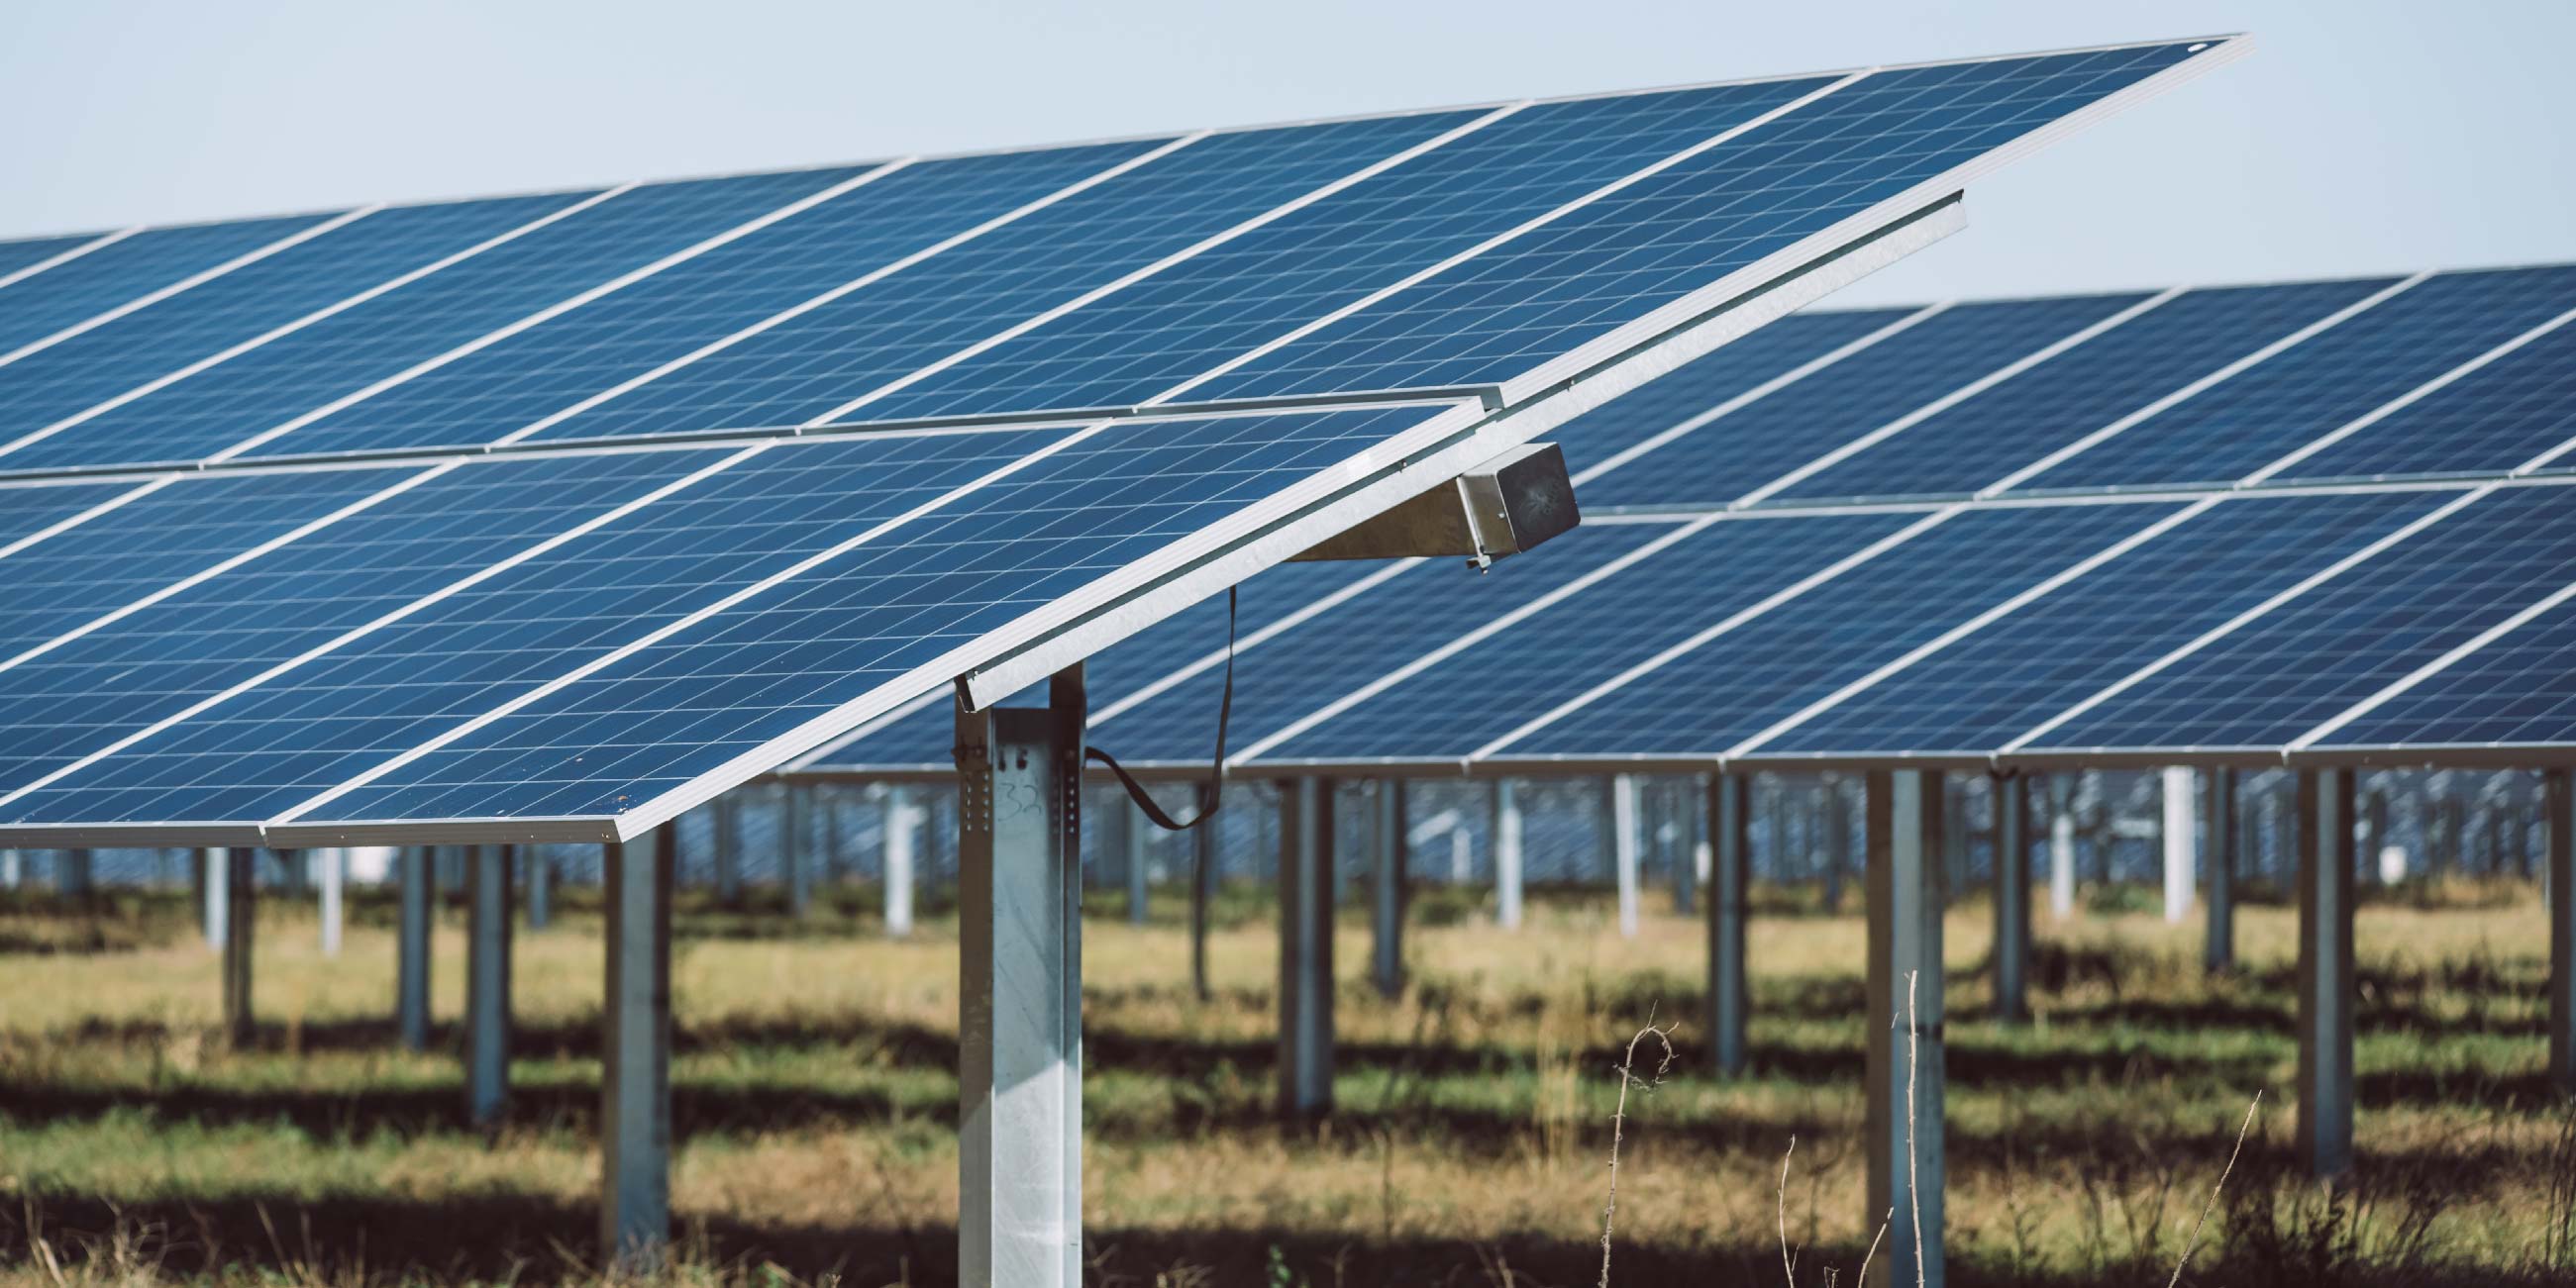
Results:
x,y
2449,374
1434,249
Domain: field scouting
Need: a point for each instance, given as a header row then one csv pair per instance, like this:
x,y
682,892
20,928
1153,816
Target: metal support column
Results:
x,y
2061,845
540,877
2325,972
335,875
798,865
218,904
241,880
1202,891
411,948
1019,918
1904,1074
728,848
1507,856
1690,844
902,826
1730,872
1133,839
635,1080
2560,873
2180,840
2219,949
1623,832
1306,947
2012,898
1386,960
72,873
487,986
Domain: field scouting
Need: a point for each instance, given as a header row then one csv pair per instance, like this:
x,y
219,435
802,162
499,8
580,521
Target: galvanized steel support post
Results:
x,y
1133,840
902,824
1306,879
335,875
2560,873
2061,845
2218,951
411,948
1904,1066
2325,973
487,986
1202,890
1019,777
1507,856
2179,842
2012,898
635,1078
1730,871
1623,850
540,879
1387,873
218,903
240,883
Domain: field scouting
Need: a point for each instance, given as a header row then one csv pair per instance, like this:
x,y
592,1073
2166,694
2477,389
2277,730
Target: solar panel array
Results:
x,y
2329,520
578,507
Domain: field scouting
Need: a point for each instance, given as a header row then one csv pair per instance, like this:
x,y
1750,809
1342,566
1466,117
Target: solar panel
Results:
x,y
133,271
2515,690
605,636
2282,673
23,259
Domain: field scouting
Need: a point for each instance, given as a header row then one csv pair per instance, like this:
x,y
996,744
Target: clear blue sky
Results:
x,y
2363,135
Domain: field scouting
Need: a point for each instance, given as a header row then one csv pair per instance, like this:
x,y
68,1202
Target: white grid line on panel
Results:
x,y
1204,244
2435,667
2027,596
289,328
337,642
1951,399
864,280
101,242
2197,387
676,625
2229,627
188,283
69,522
552,311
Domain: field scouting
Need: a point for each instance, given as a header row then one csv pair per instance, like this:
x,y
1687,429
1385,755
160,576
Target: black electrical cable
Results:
x,y
1211,792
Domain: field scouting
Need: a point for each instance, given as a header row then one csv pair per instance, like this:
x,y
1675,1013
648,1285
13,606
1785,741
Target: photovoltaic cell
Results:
x,y
687,704
547,371
1977,443
1759,443
2263,413
241,305
974,291
2519,689
19,256
2314,656
26,511
1364,640
1503,682
69,294
1998,682
1222,303
539,267
2497,418
1803,650
154,663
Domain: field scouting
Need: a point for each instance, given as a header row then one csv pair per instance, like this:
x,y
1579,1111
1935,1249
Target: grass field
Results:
x,y
815,1106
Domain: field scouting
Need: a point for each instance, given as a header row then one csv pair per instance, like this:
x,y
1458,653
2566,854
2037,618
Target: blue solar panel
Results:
x,y
1691,391
974,291
2497,418
1492,688
1223,302
26,511
1362,641
160,536
688,704
1757,444
75,376
281,382
1997,683
1977,443
2306,661
1801,651
2284,402
284,380
547,371
729,682
155,663
69,294
2520,688
1504,312
21,256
